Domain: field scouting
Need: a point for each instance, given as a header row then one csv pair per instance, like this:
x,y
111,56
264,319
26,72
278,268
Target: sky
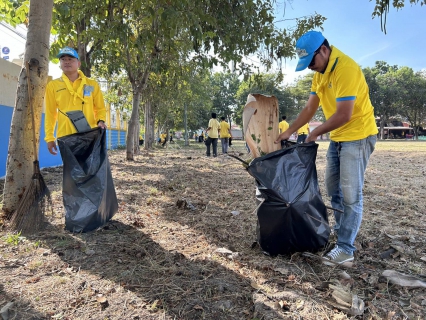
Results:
x,y
349,27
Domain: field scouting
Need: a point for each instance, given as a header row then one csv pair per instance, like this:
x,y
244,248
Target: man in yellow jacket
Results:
x,y
72,91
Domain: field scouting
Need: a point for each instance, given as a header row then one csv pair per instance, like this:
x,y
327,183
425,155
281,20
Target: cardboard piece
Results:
x,y
260,124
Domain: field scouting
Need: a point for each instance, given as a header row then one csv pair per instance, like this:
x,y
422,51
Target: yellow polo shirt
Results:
x,y
343,80
224,129
303,129
283,126
214,125
82,94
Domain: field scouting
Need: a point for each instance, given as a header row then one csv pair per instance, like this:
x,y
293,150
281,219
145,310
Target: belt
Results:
x,y
302,133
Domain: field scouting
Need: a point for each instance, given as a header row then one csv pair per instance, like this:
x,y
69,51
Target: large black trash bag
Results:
x,y
293,216
88,189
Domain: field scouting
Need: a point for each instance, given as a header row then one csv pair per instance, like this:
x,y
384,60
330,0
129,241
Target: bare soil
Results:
x,y
162,255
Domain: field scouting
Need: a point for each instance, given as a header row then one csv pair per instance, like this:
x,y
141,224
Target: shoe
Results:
x,y
336,257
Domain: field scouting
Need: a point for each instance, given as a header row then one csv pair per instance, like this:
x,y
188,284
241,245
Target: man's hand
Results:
x,y
51,146
311,137
102,124
283,136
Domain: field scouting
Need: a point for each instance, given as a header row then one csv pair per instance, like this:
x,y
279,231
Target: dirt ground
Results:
x,y
182,247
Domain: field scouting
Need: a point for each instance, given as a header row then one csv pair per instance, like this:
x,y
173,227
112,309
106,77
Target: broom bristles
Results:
x,y
29,216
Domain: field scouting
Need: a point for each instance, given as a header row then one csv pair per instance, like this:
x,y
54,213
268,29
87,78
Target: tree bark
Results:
x,y
21,153
132,128
382,125
149,126
138,85
86,64
186,124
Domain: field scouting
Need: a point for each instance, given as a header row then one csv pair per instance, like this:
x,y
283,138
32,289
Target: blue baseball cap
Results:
x,y
306,47
67,51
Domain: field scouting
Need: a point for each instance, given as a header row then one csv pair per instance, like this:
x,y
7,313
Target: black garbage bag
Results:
x,y
293,216
88,189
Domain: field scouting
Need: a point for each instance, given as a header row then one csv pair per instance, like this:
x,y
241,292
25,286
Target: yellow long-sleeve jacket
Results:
x,y
62,95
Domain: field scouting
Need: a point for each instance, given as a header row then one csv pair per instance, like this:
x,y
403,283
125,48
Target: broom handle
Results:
x,y
32,111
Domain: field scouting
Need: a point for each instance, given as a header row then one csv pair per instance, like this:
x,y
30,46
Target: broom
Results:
x,y
29,216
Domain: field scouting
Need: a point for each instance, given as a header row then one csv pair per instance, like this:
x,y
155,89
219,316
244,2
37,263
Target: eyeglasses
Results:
x,y
313,58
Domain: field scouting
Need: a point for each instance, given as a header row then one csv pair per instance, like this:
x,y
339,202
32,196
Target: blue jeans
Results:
x,y
301,138
225,143
344,179
213,142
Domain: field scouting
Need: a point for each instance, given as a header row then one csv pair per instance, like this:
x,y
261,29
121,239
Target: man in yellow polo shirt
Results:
x,y
213,132
163,139
339,86
302,133
225,133
283,126
72,91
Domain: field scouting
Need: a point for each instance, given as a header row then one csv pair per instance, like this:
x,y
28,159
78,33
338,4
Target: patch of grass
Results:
x,y
13,239
34,265
62,243
389,145
37,244
401,145
61,280
153,191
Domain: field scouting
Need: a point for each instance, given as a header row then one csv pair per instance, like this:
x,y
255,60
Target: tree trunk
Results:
x,y
86,64
21,154
136,140
132,128
138,85
186,124
149,126
382,125
138,133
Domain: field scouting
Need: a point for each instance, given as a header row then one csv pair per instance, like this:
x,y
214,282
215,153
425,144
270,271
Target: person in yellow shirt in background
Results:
x,y
283,126
302,133
72,91
213,132
163,139
225,133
